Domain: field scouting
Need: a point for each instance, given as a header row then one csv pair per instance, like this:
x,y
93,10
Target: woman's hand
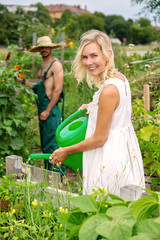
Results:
x,y
58,156
83,106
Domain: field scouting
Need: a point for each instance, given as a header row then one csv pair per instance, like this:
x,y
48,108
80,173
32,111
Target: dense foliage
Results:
x,y
29,211
17,108
22,25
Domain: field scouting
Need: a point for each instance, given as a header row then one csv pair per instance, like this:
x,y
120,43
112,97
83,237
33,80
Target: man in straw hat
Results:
x,y
49,92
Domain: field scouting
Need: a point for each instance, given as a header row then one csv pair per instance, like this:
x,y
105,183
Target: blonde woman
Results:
x,y
111,154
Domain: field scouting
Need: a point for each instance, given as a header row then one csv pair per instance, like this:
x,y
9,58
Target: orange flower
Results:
x,y
18,67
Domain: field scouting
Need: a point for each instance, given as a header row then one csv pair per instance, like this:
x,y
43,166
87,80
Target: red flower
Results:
x,y
18,67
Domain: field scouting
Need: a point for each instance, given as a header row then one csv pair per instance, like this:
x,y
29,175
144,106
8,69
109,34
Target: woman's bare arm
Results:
x,y
108,102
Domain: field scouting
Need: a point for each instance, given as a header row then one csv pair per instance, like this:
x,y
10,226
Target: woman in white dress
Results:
x,y
111,153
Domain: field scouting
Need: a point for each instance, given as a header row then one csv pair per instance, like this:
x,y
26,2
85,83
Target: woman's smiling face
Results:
x,y
93,59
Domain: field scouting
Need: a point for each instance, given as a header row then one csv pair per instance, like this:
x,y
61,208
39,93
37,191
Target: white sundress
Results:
x,y
118,162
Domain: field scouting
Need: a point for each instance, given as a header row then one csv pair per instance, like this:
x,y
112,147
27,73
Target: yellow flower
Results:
x,y
44,213
49,213
61,209
66,210
28,170
13,211
34,203
70,44
11,228
57,165
50,176
60,225
79,189
53,31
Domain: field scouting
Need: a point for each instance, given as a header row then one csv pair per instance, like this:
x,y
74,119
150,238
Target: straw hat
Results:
x,y
45,41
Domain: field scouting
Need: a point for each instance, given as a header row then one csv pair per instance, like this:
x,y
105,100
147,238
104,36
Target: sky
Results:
x,y
124,8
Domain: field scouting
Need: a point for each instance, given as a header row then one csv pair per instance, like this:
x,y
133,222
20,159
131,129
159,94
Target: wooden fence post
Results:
x,y
146,99
62,51
34,39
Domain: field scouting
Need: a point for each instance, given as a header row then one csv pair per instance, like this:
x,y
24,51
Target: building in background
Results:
x,y
13,8
57,10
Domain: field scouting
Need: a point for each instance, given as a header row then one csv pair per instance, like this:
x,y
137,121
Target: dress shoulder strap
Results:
x,y
45,73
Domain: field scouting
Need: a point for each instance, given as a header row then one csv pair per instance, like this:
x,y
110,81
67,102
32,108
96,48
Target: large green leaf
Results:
x,y
120,212
88,229
11,131
143,207
8,122
149,227
17,143
18,122
120,228
143,236
77,218
74,230
63,218
113,230
3,101
86,203
146,132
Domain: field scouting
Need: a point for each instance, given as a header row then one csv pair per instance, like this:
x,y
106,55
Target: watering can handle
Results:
x,y
67,120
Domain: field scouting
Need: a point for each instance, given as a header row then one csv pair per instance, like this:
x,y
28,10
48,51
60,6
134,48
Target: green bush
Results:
x,y
17,104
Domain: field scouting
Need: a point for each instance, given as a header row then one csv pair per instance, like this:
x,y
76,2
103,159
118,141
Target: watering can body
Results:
x,y
68,133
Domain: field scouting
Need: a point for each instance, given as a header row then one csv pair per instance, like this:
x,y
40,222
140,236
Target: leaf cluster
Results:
x,y
16,110
111,217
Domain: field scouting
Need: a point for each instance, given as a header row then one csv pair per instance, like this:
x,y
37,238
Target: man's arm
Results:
x,y
25,82
58,87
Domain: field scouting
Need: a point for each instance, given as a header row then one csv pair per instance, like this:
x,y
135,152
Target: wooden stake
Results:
x,y
146,99
62,51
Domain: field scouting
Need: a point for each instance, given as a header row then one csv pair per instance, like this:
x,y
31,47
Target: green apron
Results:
x,y
48,127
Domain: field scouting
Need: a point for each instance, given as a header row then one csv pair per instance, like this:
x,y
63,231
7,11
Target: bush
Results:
x,y
17,105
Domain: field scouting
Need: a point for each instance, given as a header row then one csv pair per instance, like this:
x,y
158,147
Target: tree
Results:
x,y
152,6
108,21
79,24
144,22
142,35
119,26
42,14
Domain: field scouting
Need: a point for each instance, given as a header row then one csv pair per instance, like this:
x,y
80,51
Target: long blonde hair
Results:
x,y
80,72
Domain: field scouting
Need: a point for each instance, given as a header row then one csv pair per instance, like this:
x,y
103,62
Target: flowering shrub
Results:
x,y
18,107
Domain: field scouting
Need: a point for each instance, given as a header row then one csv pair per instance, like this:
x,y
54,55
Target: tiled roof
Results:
x,y
62,7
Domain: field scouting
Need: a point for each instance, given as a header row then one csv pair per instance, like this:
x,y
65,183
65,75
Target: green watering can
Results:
x,y
69,133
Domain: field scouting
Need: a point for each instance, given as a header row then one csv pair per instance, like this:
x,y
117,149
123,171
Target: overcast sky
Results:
x,y
108,7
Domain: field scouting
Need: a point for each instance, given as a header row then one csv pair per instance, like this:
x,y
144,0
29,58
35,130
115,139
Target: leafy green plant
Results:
x,y
17,108
32,214
148,131
109,217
